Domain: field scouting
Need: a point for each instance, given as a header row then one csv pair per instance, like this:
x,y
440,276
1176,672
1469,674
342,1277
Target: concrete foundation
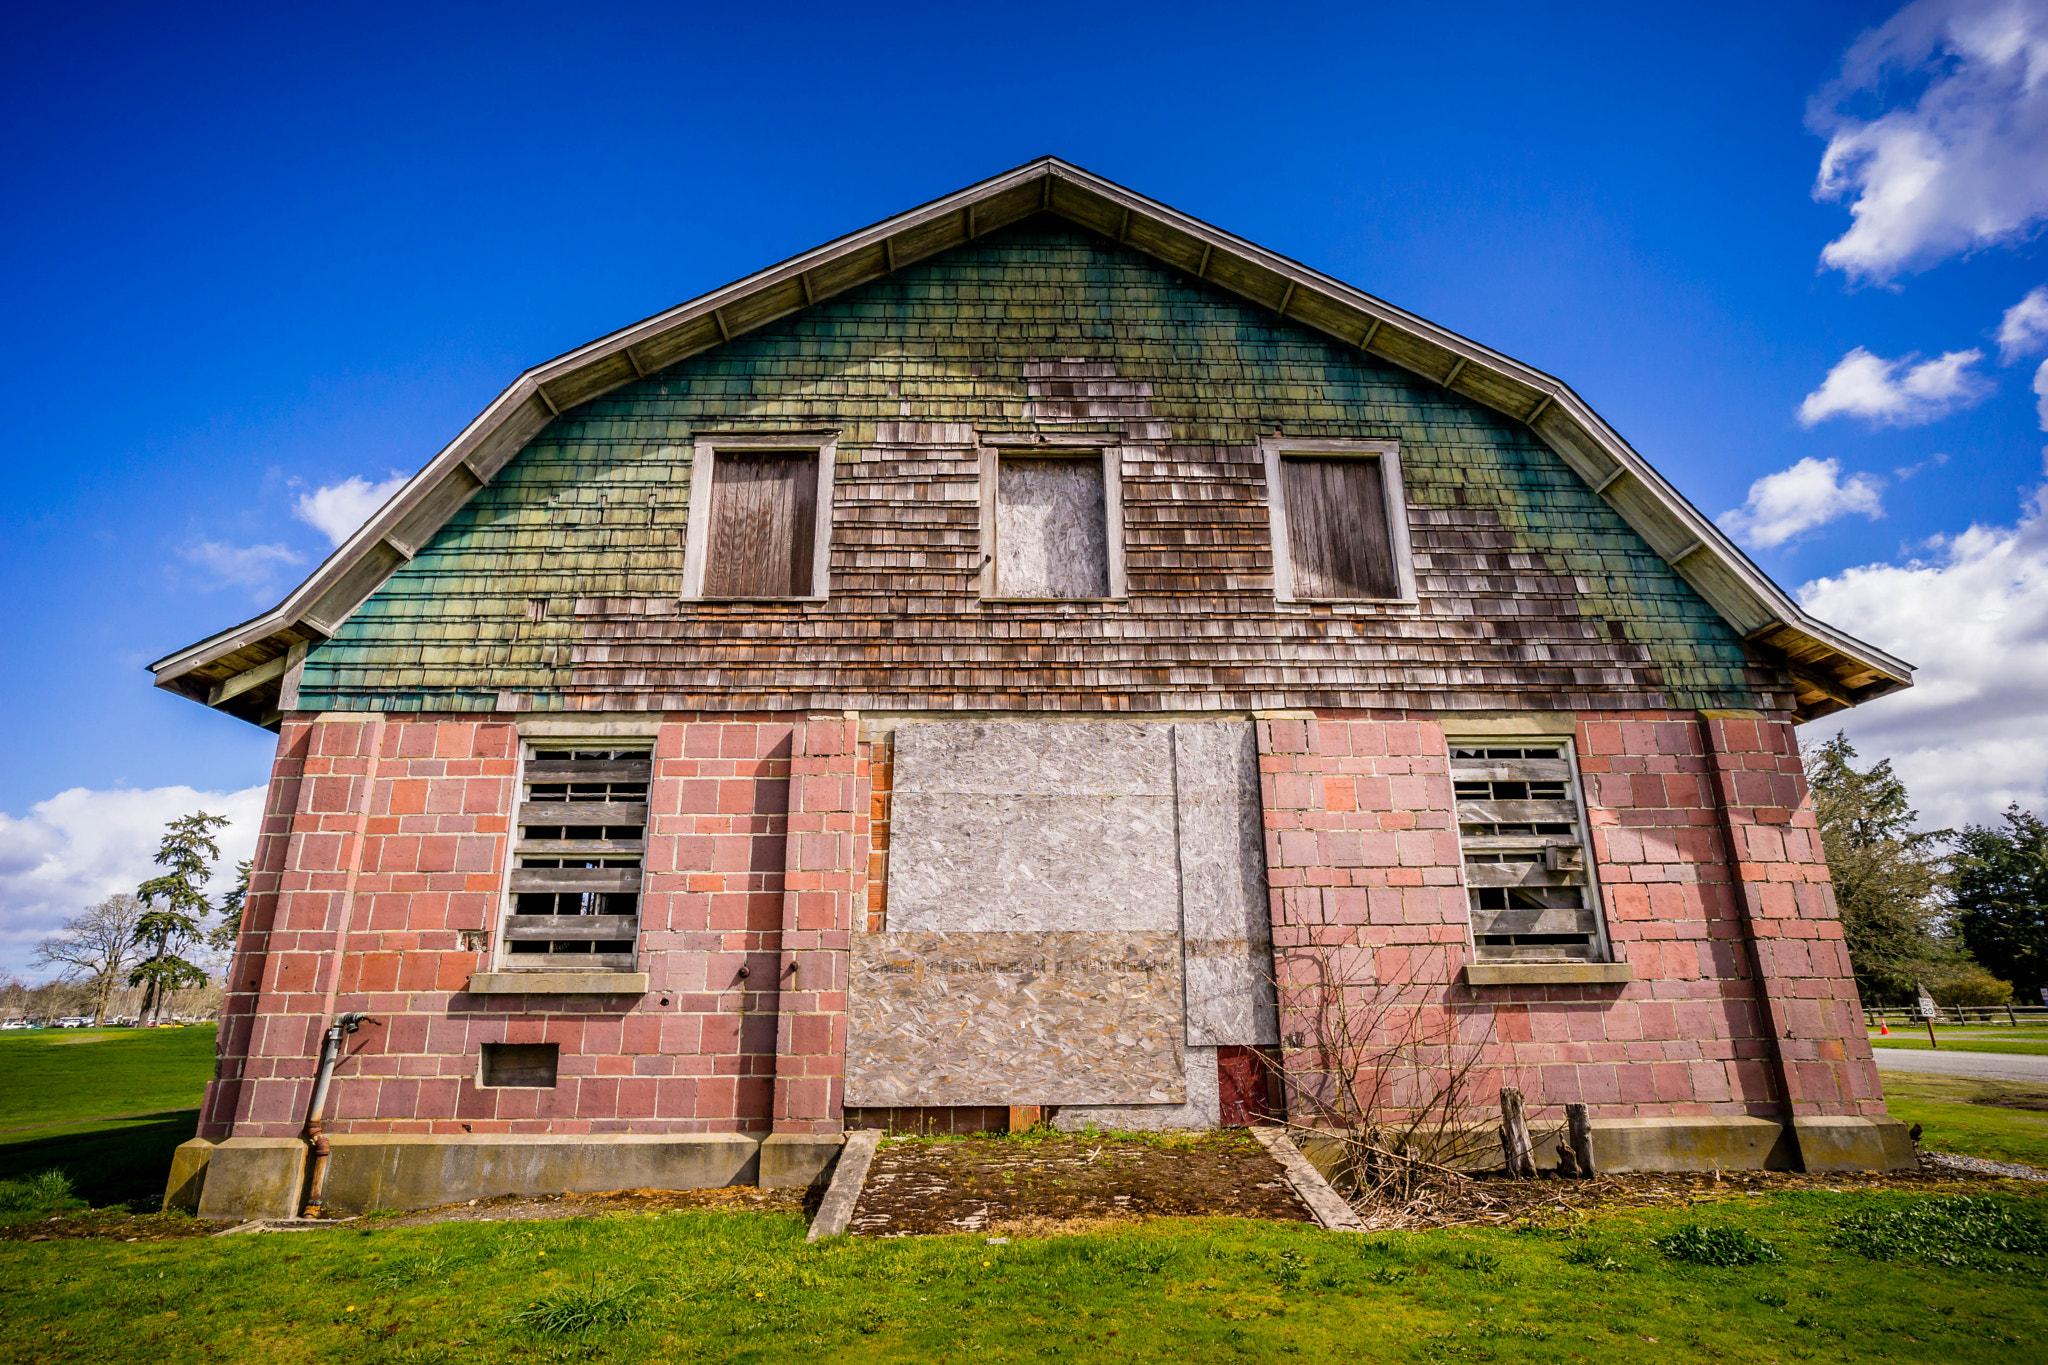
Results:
x,y
1688,1144
797,1161
253,1177
407,1171
1853,1144
188,1175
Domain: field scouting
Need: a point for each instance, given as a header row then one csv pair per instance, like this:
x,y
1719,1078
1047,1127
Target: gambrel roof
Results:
x,y
241,669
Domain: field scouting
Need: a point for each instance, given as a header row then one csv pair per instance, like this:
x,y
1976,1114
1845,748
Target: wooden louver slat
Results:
x,y
1517,813
575,879
1511,770
583,813
579,928
1532,920
589,770
1519,874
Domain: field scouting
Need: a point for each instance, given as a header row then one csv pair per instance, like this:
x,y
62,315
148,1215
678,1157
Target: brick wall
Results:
x,y
1364,866
380,869
395,855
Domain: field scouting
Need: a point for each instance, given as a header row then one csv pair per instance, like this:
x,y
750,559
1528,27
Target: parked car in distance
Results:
x,y
13,1023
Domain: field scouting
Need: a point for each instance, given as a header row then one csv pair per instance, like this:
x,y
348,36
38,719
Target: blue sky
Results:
x,y
256,254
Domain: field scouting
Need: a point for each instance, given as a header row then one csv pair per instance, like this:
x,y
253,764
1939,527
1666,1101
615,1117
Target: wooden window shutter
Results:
x,y
764,512
1052,530
1337,534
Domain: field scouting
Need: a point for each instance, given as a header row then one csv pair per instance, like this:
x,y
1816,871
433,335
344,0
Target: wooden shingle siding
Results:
x,y
1533,593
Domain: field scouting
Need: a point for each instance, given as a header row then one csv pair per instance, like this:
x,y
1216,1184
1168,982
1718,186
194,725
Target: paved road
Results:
x,y
1986,1066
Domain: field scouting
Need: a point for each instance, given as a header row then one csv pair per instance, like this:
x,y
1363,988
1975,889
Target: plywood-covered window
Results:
x,y
760,518
1522,829
1052,525
576,867
1340,524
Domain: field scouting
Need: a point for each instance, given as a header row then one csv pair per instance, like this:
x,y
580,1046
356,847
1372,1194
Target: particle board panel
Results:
x,y
1203,1108
1034,758
1029,863
1226,914
1051,528
1042,1018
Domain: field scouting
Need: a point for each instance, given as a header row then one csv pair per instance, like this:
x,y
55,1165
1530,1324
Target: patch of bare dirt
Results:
x,y
1494,1200
520,1208
109,1225
1066,1183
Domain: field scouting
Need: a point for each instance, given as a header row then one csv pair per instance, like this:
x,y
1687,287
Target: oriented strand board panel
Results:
x,y
1226,917
1044,1018
1035,758
1051,535
1026,827
1203,1109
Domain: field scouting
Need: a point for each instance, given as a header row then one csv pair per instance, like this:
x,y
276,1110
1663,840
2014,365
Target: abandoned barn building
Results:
x,y
1018,657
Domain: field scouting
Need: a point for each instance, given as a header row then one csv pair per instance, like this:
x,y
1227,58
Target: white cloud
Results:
x,y
2024,328
1895,393
2041,393
1809,494
1971,735
81,846
1961,164
243,566
339,508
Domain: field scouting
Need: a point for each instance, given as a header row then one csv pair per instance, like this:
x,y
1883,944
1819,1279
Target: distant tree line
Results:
x,y
136,952
1963,913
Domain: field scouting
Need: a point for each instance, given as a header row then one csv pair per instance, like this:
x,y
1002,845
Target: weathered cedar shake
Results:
x,y
1535,594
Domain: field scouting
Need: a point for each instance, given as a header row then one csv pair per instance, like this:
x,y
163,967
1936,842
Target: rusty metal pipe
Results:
x,y
316,1136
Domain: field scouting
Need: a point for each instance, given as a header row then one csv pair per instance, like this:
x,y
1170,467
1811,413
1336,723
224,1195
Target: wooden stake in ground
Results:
x,y
1580,1124
1932,1041
1514,1137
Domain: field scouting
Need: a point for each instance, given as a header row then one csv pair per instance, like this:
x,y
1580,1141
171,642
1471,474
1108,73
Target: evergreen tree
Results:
x,y
175,910
2001,880
1889,879
229,929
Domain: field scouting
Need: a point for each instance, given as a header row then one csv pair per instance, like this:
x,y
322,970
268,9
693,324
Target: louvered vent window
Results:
x,y
1523,832
576,870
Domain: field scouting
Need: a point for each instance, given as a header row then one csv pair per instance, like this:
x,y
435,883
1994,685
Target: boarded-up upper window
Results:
x,y
1052,530
764,513
1338,541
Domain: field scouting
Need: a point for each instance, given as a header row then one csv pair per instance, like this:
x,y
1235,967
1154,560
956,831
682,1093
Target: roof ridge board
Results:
x,y
1558,398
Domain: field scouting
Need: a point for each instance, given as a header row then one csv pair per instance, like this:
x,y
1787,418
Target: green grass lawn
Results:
x,y
1942,1106
58,1087
744,1287
69,1075
1965,1040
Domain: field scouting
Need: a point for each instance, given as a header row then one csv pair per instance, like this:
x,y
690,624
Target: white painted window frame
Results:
x,y
697,535
1603,946
1052,447
1388,453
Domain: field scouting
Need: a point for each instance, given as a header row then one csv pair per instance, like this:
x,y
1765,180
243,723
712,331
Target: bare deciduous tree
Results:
x,y
1397,1067
94,948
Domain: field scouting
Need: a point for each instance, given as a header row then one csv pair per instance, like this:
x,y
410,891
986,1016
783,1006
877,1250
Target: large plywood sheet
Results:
x,y
1028,826
984,863
1051,531
1006,1018
1035,758
1225,915
1203,1109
